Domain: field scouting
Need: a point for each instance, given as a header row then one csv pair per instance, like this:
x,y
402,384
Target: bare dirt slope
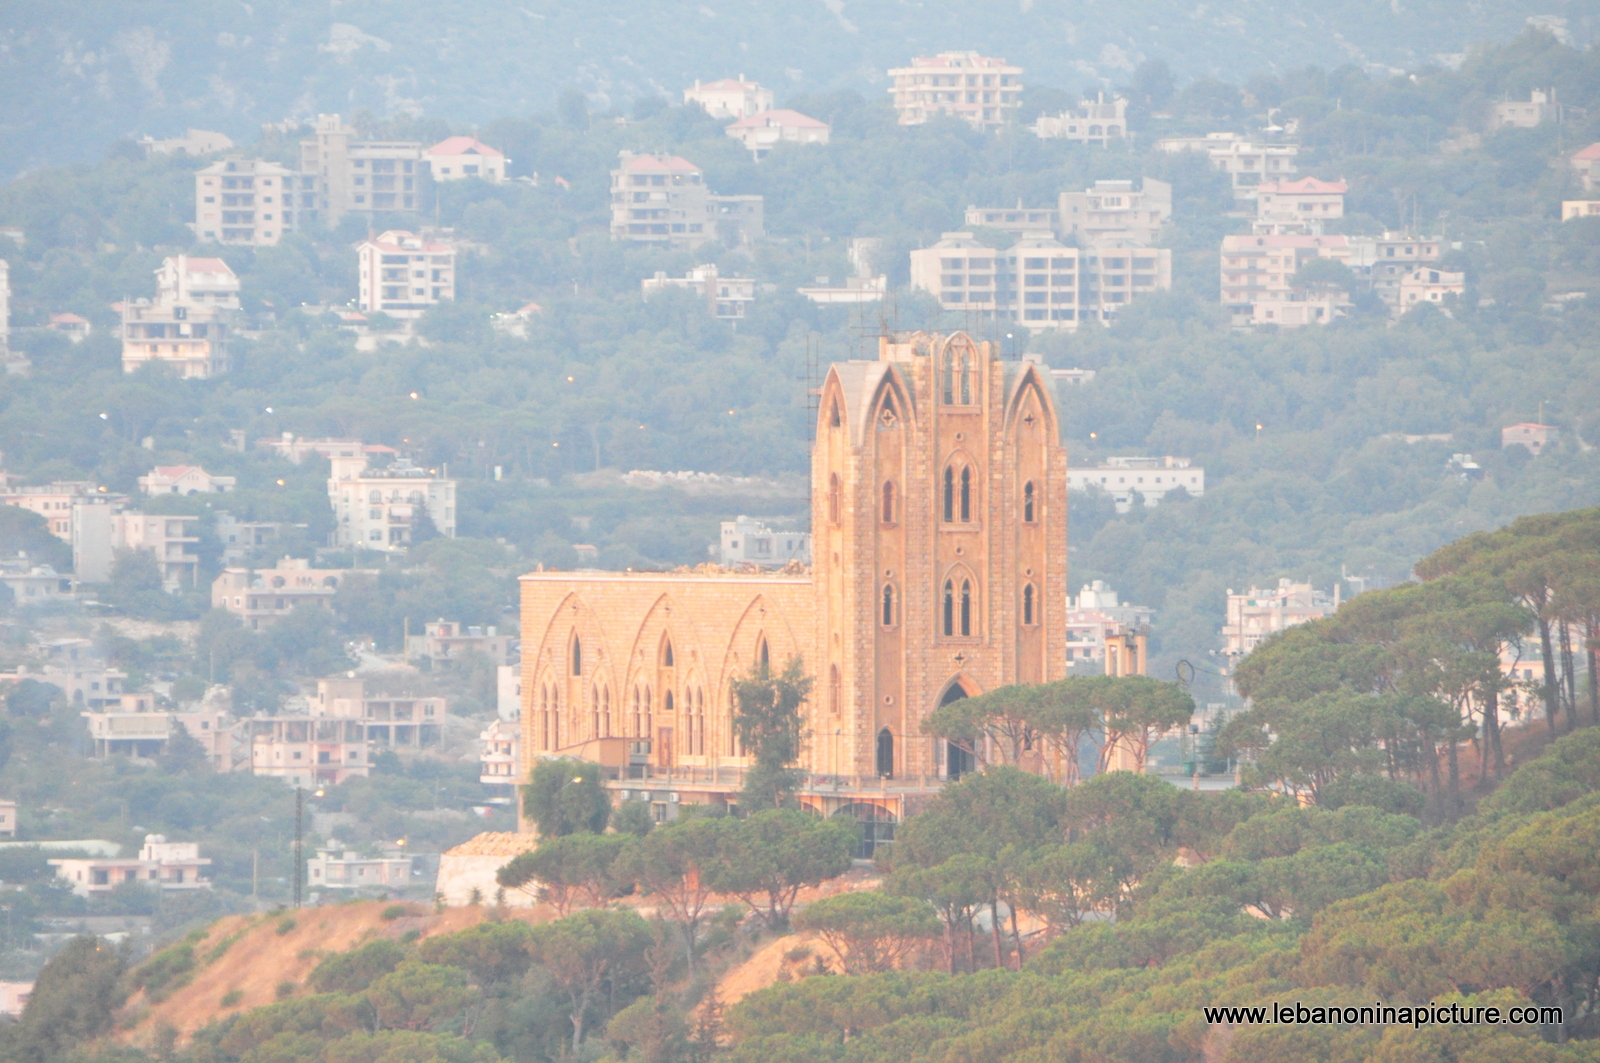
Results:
x,y
270,950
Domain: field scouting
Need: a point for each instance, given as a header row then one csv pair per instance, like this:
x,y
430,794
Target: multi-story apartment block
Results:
x,y
1098,121
663,199
379,508
53,502
746,541
243,538
762,132
1572,209
1389,258
729,97
728,298
250,202
1303,206
404,275
1105,637
169,538
1429,286
443,642
184,480
361,176
461,158
497,757
33,584
1247,163
1258,279
186,326
1256,613
1016,220
337,868
161,864
1117,272
262,596
1586,164
1538,108
977,89
1145,479
326,746
390,722
1116,210
133,726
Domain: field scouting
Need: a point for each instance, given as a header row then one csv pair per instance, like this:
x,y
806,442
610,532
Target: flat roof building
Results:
x,y
403,275
982,91
729,97
251,202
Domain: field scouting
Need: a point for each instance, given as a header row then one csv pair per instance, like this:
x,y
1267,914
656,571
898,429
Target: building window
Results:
x,y
888,605
966,493
835,418
1027,502
949,493
577,655
966,607
1027,604
949,607
666,654
888,501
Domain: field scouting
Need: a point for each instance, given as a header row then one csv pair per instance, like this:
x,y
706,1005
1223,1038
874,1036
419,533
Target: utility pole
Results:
x,y
299,841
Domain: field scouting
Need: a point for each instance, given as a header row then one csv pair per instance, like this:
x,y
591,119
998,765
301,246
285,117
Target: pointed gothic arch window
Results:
x,y
594,712
605,711
949,607
949,493
966,493
888,605
649,716
885,753
666,653
1027,502
966,377
1027,604
638,715
667,703
835,415
888,502
763,654
834,507
949,377
966,607
577,655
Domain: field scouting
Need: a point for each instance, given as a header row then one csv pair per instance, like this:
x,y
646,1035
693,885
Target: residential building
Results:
x,y
337,868
856,290
250,202
33,584
729,97
1144,479
1586,164
8,818
1246,162
1116,272
1098,121
73,327
1036,281
169,538
379,508
94,536
762,132
262,596
1429,286
1389,258
1258,279
1302,206
461,158
1536,438
1540,107
296,449
1256,613
404,275
403,722
87,682
187,324
184,480
53,502
14,998
1115,210
663,199
243,538
133,726
1103,636
943,552
310,750
1016,220
747,541
1579,208
508,692
361,176
443,642
977,89
193,142
728,298
160,864
497,756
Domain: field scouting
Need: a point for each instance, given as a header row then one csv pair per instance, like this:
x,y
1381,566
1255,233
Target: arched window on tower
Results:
x,y
885,753
966,378
1027,502
667,703
1027,604
949,493
763,654
949,376
966,607
888,605
649,716
888,502
833,498
577,655
666,654
835,415
594,712
638,715
966,493
949,607
605,712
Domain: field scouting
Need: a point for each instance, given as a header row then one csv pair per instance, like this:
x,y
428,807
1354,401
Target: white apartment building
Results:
x,y
1586,164
1145,479
186,326
1429,286
1116,272
1258,279
377,508
361,176
337,868
728,298
1540,107
463,158
443,642
1017,220
193,142
1098,121
1247,162
977,89
1390,257
250,202
1572,209
160,864
1255,614
169,538
403,275
762,132
264,595
747,541
402,722
729,97
663,199
1303,206
1105,637
184,480
1115,210
1035,282
497,757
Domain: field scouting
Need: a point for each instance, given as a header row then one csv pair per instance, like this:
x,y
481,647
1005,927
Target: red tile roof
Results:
x,y
1305,186
767,119
67,319
463,146
658,162
206,265
1590,152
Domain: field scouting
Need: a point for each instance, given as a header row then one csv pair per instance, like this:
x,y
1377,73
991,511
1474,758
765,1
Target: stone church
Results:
x,y
939,533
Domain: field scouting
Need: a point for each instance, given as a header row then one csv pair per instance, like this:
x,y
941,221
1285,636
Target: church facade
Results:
x,y
939,531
